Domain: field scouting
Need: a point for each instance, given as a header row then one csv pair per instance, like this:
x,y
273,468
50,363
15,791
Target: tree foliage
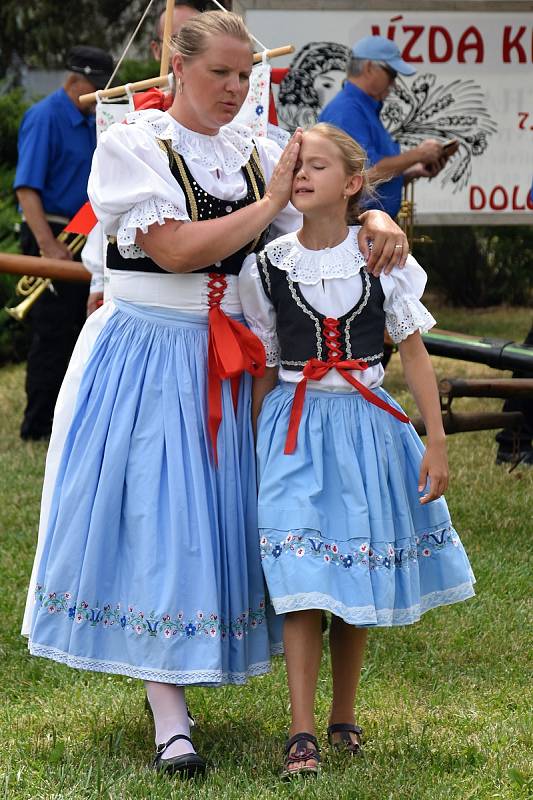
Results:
x,y
484,266
41,34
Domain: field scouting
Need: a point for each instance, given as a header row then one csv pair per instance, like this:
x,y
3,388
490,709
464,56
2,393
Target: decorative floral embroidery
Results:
x,y
254,110
296,544
163,625
107,115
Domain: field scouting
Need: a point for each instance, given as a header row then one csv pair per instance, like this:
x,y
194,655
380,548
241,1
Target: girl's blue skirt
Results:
x,y
341,526
151,565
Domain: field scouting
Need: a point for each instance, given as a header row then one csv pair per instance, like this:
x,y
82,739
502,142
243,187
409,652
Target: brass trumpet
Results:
x,y
405,218
30,287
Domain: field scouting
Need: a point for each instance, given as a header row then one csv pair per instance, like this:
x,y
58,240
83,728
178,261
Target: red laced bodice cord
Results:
x,y
232,350
315,369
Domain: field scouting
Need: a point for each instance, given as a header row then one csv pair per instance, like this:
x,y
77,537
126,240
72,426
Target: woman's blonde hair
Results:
x,y
193,37
354,160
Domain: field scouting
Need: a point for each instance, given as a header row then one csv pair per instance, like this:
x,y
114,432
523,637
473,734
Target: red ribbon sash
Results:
x,y
232,350
315,370
152,98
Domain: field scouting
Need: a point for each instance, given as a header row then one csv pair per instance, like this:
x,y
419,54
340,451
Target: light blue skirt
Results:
x,y
341,526
151,565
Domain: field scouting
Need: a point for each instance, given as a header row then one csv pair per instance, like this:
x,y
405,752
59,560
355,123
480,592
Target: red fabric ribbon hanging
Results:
x,y
276,76
232,350
152,98
315,370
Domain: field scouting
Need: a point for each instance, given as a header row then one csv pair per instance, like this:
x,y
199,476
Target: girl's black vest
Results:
x,y
302,332
202,206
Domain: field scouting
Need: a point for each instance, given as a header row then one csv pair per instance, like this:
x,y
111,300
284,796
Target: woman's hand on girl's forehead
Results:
x,y
279,188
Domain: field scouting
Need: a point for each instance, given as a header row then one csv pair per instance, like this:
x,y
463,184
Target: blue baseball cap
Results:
x,y
378,48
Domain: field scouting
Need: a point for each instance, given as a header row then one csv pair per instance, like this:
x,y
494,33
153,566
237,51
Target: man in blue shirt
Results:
x,y
372,70
57,138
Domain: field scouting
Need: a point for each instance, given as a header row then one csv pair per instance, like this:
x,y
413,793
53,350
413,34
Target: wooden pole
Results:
x,y
162,80
120,91
167,33
496,387
44,267
462,423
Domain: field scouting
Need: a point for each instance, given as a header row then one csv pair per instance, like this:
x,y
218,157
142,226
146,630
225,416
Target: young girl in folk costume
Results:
x,y
351,516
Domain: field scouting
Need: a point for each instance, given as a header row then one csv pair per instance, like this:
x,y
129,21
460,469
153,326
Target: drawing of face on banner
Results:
x,y
316,75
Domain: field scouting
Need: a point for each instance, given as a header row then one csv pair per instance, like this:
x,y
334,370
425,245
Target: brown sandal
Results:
x,y
306,749
346,742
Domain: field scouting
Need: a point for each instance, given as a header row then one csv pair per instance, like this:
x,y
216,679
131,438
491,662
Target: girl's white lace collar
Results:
x,y
311,266
228,151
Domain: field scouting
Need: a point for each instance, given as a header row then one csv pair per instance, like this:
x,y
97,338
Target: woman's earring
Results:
x,y
179,85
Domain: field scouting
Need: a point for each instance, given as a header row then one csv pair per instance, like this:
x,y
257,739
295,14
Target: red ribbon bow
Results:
x,y
315,370
152,98
232,350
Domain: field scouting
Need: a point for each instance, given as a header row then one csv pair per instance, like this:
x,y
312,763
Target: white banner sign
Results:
x,y
474,83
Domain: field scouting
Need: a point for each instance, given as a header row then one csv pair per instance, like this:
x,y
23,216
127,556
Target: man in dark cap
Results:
x,y
57,138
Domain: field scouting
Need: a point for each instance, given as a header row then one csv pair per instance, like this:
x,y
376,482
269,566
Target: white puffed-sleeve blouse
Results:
x,y
330,282
131,187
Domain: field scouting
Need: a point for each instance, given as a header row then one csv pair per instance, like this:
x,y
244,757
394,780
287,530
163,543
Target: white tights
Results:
x,y
170,716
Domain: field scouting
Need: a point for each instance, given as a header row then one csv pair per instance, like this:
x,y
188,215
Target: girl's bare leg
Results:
x,y
347,647
302,637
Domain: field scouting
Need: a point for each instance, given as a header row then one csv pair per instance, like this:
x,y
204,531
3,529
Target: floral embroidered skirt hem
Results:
x,y
150,565
341,526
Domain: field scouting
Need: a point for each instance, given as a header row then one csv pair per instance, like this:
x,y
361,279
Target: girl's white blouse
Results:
x,y
330,282
131,187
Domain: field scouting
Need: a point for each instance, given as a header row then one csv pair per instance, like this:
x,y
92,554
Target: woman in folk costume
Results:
x,y
351,516
149,564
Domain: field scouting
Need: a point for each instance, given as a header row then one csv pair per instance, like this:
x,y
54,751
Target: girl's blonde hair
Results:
x,y
193,37
354,160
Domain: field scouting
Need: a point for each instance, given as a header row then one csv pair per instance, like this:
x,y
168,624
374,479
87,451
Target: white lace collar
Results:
x,y
311,266
228,151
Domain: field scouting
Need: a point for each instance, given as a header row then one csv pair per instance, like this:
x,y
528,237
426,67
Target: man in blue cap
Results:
x,y
373,67
57,138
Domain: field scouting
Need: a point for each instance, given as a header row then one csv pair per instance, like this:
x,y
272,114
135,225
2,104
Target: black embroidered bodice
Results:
x,y
304,333
202,206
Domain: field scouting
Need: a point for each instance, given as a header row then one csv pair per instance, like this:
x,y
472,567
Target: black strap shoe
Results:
x,y
189,765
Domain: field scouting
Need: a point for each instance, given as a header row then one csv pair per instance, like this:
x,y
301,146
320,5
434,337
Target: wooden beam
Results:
x,y
167,33
497,387
54,268
162,80
462,423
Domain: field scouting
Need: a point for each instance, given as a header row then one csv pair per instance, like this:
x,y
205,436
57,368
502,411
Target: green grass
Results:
x,y
444,703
